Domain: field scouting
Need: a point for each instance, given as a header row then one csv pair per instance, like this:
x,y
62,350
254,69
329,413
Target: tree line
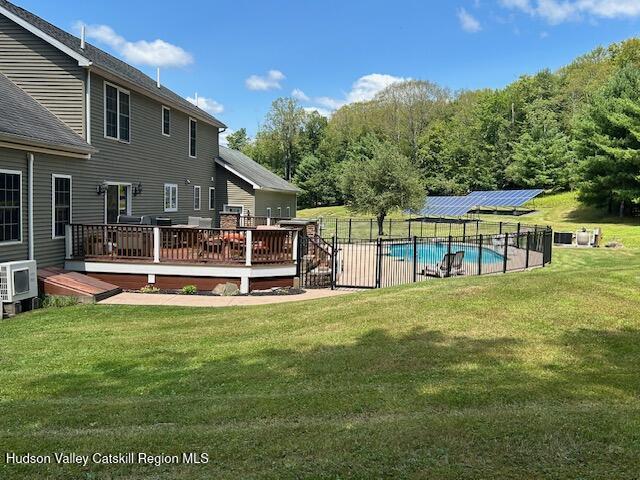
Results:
x,y
574,128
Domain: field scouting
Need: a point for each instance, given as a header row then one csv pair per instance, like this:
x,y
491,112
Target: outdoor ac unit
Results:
x,y
18,281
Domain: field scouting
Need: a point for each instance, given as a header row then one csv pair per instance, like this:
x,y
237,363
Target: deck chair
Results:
x,y
450,265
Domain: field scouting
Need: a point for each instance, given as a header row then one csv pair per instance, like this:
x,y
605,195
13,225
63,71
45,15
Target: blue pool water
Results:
x,y
432,253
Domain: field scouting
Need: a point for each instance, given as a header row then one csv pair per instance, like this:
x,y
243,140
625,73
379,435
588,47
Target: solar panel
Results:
x,y
446,206
503,198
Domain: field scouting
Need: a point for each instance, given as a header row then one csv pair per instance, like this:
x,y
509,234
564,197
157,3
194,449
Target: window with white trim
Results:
x,y
269,212
166,121
193,131
289,212
61,204
196,197
227,208
170,197
117,112
10,206
212,198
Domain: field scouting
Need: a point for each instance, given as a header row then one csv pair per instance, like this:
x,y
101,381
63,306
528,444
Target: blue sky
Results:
x,y
239,56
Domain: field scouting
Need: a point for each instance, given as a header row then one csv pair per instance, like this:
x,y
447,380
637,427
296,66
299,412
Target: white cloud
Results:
x,y
207,104
468,22
322,111
156,53
299,95
362,90
270,81
558,11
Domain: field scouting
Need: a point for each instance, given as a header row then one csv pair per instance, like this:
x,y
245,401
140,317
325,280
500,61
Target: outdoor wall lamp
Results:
x,y
137,189
101,188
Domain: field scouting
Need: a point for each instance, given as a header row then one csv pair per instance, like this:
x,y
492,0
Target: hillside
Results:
x,y
562,211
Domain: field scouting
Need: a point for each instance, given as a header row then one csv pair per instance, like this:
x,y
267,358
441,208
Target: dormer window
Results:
x,y
117,110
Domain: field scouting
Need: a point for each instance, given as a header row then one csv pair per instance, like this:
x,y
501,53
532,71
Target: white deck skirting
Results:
x,y
244,273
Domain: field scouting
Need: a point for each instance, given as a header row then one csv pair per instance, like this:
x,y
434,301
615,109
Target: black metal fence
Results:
x,y
348,229
350,262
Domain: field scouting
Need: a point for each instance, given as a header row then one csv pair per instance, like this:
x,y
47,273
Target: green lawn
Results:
x,y
561,211
525,375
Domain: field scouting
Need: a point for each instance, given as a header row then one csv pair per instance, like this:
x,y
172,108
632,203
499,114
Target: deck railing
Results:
x,y
180,244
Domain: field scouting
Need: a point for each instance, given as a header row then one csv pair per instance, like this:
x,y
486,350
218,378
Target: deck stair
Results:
x,y
56,281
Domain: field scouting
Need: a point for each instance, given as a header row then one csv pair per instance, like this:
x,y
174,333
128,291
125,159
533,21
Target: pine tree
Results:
x,y
608,143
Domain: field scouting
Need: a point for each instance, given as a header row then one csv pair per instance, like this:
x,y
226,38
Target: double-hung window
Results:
x,y
166,121
196,197
193,131
117,113
61,204
170,197
212,198
10,206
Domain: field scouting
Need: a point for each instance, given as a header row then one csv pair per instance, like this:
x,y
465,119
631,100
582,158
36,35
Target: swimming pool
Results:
x,y
433,252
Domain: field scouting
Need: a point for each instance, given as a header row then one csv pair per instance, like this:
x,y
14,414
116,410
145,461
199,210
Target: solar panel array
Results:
x,y
455,206
503,198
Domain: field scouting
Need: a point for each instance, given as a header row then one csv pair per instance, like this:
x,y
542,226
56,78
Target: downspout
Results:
x,y
30,214
87,102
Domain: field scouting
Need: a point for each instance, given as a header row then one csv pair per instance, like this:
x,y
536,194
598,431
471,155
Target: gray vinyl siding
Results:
x,y
232,190
16,160
265,199
44,72
152,158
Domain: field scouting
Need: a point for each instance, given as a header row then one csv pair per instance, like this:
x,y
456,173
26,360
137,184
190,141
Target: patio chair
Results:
x,y
450,265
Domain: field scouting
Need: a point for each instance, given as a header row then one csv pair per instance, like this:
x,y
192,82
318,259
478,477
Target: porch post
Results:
x,y
68,242
156,244
296,234
248,247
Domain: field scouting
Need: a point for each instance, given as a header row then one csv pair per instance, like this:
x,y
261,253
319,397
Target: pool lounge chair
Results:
x,y
450,265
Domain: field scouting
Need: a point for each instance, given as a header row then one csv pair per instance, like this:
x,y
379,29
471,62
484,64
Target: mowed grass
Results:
x,y
525,375
562,211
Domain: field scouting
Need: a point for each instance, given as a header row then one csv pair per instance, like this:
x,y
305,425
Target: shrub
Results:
x,y
189,290
149,289
58,301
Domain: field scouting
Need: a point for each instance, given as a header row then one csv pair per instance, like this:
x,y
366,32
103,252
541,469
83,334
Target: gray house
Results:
x,y
85,137
247,187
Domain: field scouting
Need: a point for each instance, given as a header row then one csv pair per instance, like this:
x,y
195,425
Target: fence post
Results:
x,y
449,257
506,251
500,232
480,256
518,237
334,255
156,244
248,246
415,259
390,227
464,232
371,229
335,232
350,229
526,263
378,262
409,236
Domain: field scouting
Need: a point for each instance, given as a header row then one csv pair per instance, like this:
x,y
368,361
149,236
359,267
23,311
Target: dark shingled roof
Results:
x,y
253,171
109,63
23,120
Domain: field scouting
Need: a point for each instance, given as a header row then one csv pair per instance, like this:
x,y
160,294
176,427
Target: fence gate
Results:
x,y
356,263
315,262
